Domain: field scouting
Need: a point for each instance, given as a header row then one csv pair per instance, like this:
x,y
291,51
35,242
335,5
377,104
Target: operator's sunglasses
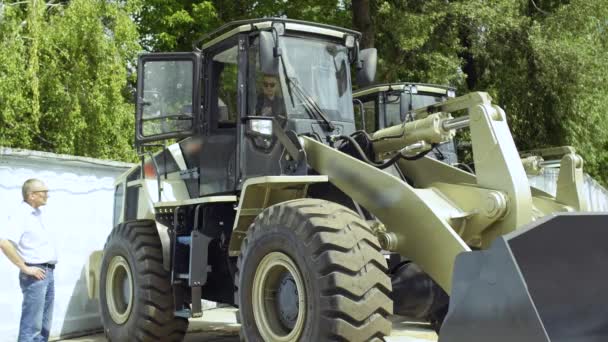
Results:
x,y
270,84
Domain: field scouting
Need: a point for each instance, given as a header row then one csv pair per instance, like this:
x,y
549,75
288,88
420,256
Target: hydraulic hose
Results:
x,y
387,163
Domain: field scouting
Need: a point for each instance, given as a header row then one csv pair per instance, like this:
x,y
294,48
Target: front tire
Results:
x,y
312,270
136,297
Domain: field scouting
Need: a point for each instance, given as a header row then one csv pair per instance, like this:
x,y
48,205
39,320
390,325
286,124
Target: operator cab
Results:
x,y
384,105
216,103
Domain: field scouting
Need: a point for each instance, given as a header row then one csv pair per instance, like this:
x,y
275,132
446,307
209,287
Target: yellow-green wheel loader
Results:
x,y
256,189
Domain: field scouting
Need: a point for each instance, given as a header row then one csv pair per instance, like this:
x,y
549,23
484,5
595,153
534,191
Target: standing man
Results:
x,y
269,103
28,243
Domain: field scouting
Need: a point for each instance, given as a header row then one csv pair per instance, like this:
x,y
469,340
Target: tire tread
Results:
x,y
352,271
153,313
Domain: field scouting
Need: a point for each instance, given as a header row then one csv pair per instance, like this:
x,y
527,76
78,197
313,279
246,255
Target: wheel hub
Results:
x,y
119,289
279,298
287,301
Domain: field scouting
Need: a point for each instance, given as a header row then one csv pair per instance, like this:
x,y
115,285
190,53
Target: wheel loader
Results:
x,y
292,216
383,105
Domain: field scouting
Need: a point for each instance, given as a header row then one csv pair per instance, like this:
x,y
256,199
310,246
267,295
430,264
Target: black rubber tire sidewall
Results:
x,y
117,247
343,271
152,312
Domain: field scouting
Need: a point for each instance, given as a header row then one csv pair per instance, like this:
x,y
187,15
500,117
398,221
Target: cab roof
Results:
x,y
250,25
400,86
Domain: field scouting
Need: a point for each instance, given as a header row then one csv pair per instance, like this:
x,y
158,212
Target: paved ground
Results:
x,y
219,325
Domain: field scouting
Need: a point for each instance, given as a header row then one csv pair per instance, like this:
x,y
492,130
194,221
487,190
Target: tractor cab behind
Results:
x,y
384,105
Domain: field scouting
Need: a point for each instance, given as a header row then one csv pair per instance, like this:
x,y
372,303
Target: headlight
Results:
x,y
262,127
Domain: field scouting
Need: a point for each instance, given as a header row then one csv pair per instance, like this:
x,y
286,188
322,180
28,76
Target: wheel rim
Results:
x,y
279,298
119,289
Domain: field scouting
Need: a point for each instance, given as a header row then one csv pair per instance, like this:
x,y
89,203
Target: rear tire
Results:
x,y
312,270
136,297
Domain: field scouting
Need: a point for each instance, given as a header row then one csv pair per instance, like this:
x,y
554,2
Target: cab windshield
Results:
x,y
394,116
320,70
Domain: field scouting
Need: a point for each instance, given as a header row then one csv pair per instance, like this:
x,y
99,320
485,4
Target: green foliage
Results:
x,y
547,66
173,25
417,42
571,58
14,86
66,77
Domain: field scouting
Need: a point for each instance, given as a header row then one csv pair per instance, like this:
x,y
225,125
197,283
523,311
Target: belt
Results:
x,y
45,265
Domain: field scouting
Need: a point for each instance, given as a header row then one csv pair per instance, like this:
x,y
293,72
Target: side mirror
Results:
x,y
269,63
369,60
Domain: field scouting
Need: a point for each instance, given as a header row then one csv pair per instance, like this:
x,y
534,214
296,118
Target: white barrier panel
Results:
x,y
80,209
595,194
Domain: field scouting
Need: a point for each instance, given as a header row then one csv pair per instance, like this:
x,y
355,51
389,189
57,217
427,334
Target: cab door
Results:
x,y
223,68
168,103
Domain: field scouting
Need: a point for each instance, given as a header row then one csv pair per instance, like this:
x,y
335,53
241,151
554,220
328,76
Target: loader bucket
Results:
x,y
545,282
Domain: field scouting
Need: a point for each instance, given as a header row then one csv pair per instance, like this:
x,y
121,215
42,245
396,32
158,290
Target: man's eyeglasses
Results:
x,y
269,84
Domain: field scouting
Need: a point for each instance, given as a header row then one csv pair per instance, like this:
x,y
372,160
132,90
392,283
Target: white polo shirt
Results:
x,y
34,241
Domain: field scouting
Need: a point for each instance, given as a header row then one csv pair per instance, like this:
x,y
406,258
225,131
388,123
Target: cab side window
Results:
x,y
392,110
369,115
166,104
223,103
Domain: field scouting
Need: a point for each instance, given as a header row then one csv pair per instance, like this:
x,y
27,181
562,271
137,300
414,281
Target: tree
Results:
x,y
362,20
173,25
14,87
176,24
545,63
571,63
84,59
417,42
69,76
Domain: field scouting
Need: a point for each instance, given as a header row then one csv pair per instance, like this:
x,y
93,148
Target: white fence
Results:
x,y
596,195
80,208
